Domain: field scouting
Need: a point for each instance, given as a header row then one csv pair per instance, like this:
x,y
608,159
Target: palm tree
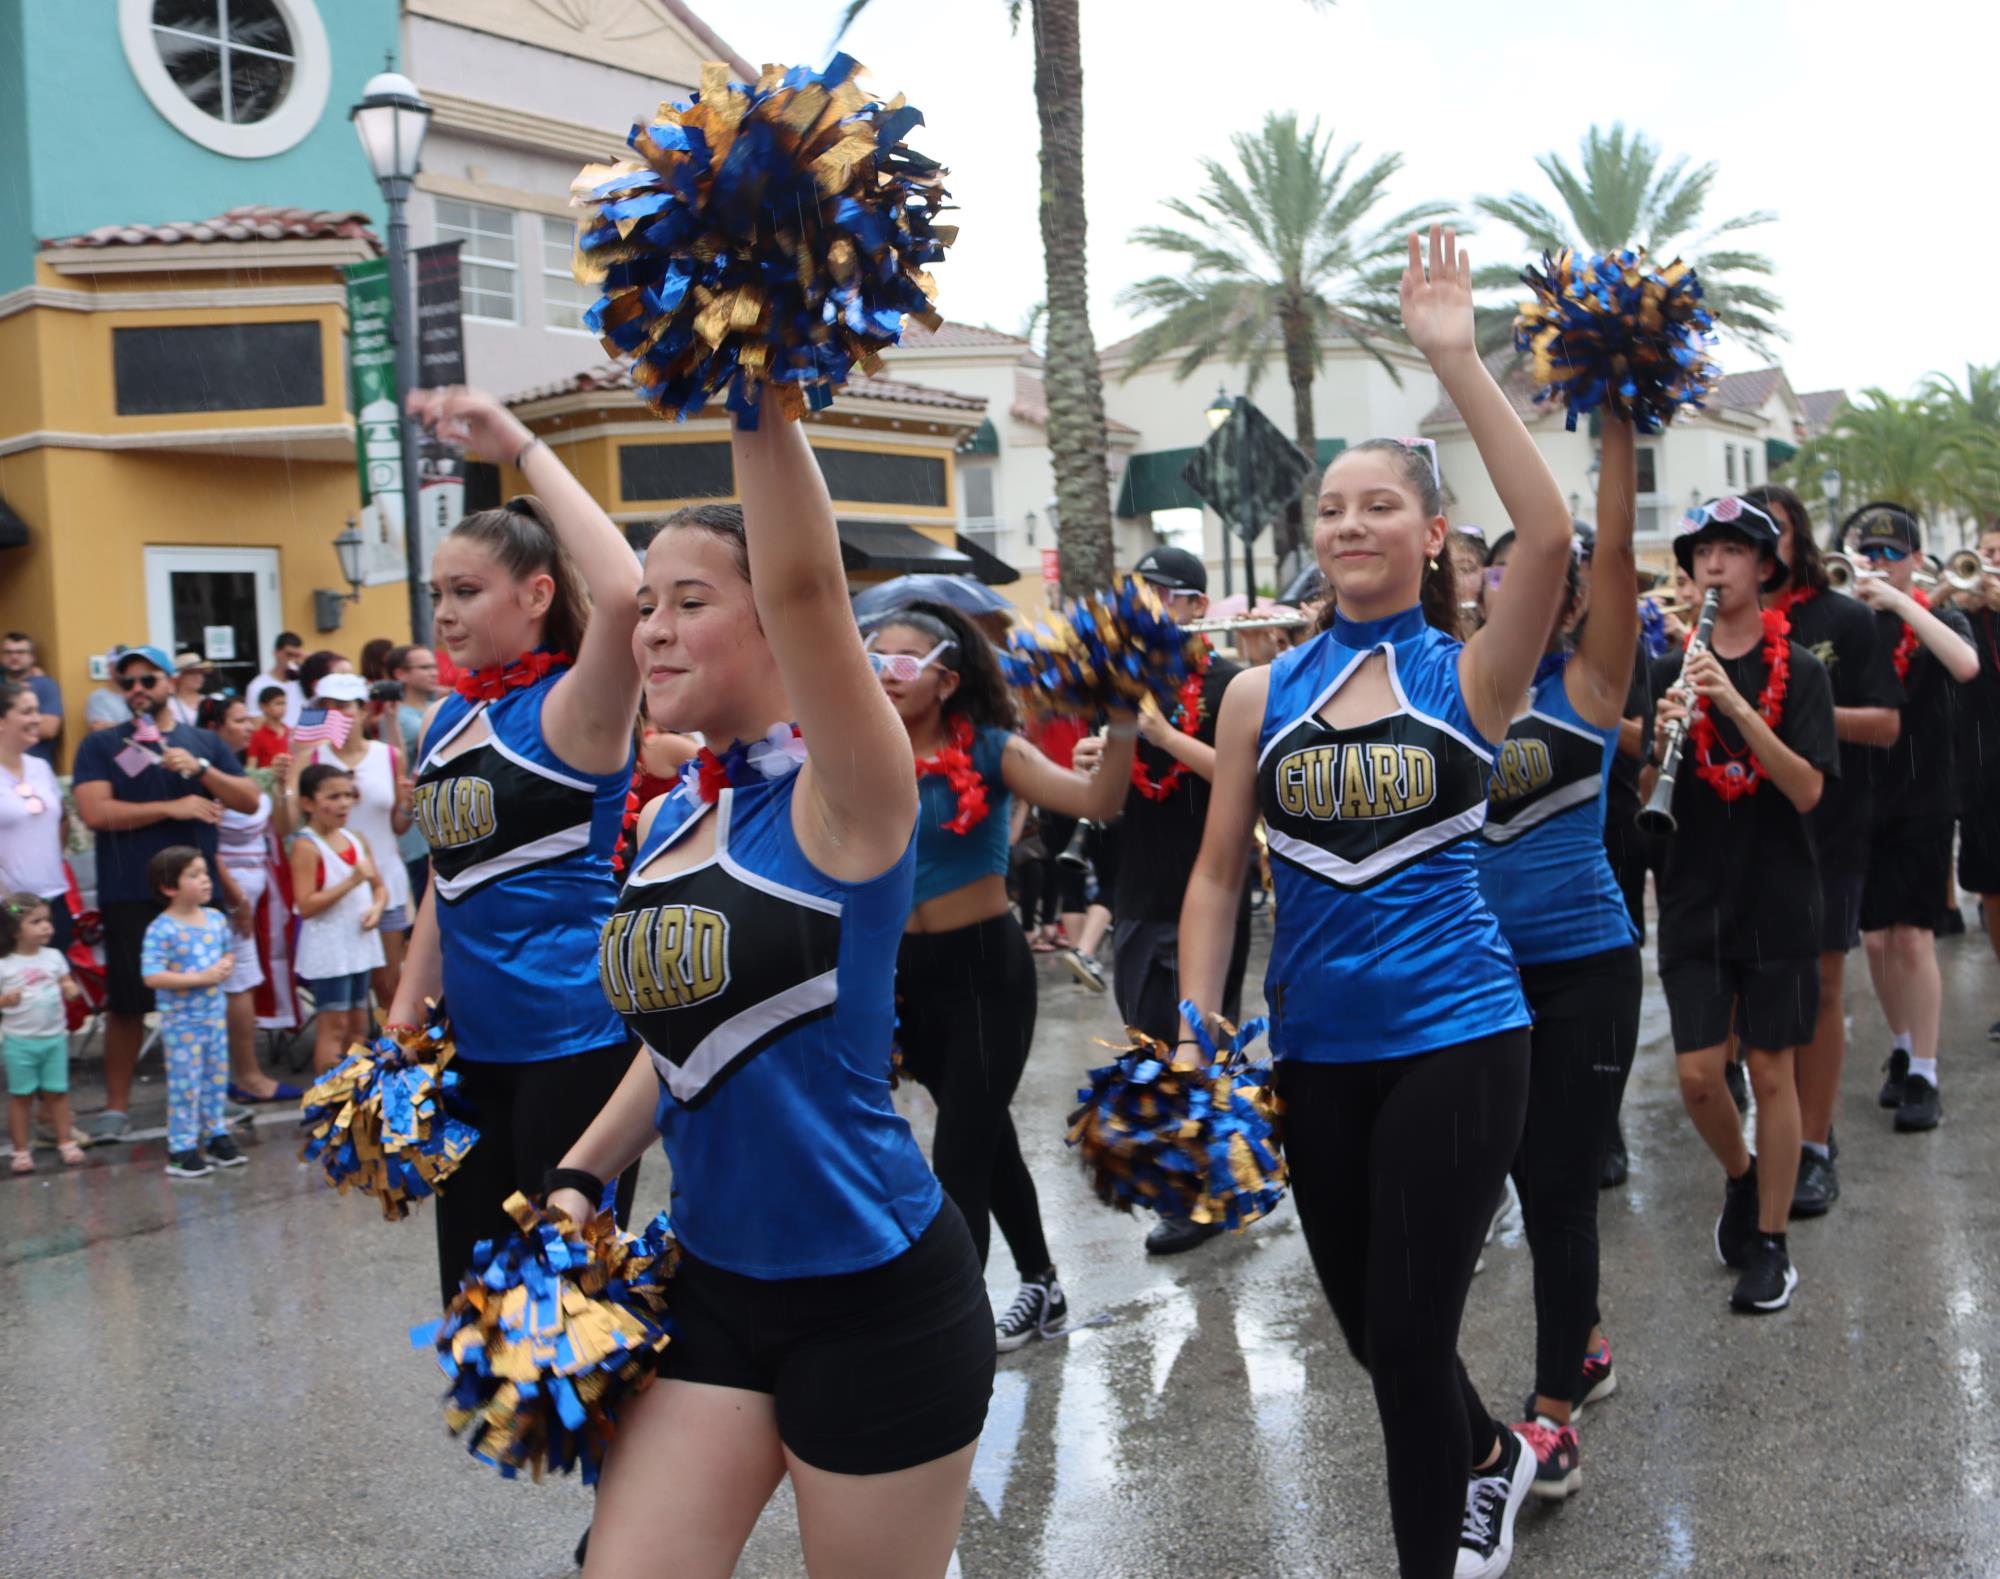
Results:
x,y
1278,250
1624,194
1884,448
1970,417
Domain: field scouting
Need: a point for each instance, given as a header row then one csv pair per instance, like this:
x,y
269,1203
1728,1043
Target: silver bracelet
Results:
x,y
521,454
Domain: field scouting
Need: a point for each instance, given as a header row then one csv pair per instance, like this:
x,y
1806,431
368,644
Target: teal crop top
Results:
x,y
947,860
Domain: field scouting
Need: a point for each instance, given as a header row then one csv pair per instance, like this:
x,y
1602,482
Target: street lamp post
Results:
x,y
1829,484
1219,411
391,120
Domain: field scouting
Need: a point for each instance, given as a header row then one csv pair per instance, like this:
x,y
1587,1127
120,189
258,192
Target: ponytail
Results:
x,y
522,541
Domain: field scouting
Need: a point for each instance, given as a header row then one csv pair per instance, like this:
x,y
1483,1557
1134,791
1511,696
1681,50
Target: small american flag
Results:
x,y
321,723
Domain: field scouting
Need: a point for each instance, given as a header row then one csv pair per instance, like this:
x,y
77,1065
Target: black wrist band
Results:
x,y
588,1185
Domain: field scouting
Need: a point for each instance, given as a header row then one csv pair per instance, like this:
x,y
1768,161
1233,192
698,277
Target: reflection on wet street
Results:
x,y
214,1377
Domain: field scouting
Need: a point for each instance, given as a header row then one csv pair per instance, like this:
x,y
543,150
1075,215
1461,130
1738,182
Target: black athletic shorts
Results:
x,y
1979,849
870,1371
1773,1004
125,923
1840,910
1909,873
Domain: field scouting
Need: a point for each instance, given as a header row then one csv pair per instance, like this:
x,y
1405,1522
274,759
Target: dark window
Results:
x,y
217,367
1648,470
675,471
863,476
232,58
482,486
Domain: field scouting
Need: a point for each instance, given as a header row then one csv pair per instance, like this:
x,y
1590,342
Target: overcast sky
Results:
x,y
1865,126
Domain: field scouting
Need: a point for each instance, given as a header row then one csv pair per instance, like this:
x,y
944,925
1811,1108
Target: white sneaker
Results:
x,y
1492,1498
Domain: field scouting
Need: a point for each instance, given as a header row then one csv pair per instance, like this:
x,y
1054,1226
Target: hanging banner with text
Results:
x,y
440,361
371,379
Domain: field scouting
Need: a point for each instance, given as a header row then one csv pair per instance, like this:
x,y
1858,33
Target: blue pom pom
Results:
x,y
1613,332
381,1121
1109,650
1194,1143
769,235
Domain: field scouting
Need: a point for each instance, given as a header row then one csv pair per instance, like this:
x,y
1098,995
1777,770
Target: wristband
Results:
x,y
521,454
1121,731
588,1185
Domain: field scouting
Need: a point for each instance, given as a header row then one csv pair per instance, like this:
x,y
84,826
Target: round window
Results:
x,y
246,78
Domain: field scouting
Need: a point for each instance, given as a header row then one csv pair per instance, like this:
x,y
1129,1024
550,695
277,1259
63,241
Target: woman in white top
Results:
x,y
341,899
382,781
31,857
246,844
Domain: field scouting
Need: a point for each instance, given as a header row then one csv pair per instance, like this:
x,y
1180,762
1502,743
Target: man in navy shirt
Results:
x,y
143,786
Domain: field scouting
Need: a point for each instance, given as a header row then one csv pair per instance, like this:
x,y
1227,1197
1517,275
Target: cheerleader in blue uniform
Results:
x,y
830,1316
1545,874
1396,1011
521,780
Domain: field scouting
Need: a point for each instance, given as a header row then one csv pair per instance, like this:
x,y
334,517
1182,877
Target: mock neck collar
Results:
x,y
1394,629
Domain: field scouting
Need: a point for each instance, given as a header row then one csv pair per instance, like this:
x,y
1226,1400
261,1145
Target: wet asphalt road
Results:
x,y
213,1378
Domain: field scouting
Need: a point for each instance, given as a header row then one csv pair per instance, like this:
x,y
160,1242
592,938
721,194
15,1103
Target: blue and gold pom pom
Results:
x,y
379,1121
1616,333
552,1334
1110,650
1193,1142
769,234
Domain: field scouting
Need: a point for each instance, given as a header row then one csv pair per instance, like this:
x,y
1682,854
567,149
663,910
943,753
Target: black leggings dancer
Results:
x,y
1586,1030
1049,889
527,1116
1396,1168
965,1003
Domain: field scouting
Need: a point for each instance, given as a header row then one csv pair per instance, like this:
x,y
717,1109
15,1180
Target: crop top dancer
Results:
x,y
831,1320
965,980
1396,1011
521,782
1546,876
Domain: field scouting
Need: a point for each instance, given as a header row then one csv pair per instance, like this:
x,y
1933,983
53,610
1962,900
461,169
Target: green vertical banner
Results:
x,y
371,368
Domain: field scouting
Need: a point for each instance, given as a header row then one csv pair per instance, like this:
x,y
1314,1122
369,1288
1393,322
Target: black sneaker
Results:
x,y
1170,1238
1919,1108
225,1153
1086,970
1993,1032
1558,1460
1832,1144
1038,1311
187,1165
1493,1496
1818,1187
1617,1166
1736,1228
1767,1281
1898,1068
1599,1381
1739,1085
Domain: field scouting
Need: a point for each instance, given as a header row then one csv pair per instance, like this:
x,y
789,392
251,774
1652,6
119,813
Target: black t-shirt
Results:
x,y
1159,839
1914,777
1841,633
1741,880
1979,722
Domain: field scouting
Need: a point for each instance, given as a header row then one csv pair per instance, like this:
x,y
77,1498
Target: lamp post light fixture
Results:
x,y
348,548
391,120
1218,409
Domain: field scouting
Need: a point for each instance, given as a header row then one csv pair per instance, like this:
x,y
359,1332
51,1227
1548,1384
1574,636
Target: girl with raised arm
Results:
x,y
1397,1018
831,1320
521,780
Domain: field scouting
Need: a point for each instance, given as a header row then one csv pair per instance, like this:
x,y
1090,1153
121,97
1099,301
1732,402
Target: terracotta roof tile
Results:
x,y
616,376
957,335
1820,408
1031,403
1510,372
1747,391
255,223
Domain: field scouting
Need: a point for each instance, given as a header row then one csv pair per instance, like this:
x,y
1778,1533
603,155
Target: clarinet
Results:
x,y
1657,816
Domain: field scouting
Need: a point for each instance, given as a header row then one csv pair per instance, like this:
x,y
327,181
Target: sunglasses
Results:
x,y
127,681
901,667
1888,551
1722,513
32,802
1493,576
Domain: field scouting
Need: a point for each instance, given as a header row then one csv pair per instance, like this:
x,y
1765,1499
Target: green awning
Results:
x,y
1327,449
982,440
1776,453
1153,482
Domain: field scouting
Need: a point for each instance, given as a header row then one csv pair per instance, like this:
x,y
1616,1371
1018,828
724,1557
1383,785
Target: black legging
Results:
x,y
965,1003
1586,1030
527,1116
1049,889
1396,1167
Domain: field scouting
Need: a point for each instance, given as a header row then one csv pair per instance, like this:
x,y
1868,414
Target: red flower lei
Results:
x,y
1187,718
1732,779
1792,597
489,685
955,763
1906,644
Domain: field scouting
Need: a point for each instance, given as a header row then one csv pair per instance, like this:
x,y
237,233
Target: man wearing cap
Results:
x,y
1158,838
143,786
1740,909
1909,842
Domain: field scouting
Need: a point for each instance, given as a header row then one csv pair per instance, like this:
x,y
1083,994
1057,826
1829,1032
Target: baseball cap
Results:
x,y
1888,525
1730,516
341,688
1173,568
152,655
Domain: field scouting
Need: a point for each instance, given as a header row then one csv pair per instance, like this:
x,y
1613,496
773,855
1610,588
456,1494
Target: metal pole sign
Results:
x,y
1247,471
440,361
378,437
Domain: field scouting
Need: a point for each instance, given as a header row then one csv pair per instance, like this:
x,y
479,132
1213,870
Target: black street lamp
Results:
x,y
349,547
391,120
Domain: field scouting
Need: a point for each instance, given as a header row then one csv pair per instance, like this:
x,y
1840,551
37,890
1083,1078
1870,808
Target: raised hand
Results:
x,y
473,418
1437,300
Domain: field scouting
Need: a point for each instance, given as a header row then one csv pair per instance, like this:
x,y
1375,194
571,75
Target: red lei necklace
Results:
x,y
1792,597
1734,778
1187,719
955,763
489,685
1906,644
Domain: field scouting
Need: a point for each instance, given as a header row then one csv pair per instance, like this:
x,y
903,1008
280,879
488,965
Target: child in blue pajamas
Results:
x,y
185,960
